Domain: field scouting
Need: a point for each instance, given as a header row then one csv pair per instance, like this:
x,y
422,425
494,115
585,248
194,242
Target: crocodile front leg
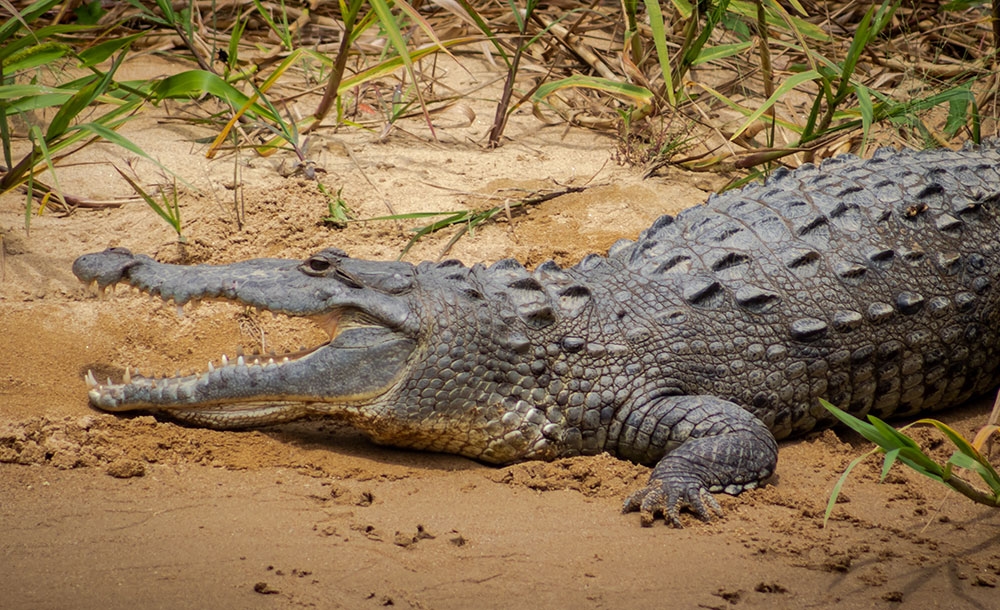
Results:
x,y
708,445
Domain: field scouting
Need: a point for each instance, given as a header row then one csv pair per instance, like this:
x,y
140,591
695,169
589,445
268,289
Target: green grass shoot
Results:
x,y
898,447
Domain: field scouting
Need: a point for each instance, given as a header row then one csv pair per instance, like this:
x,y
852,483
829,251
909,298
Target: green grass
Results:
x,y
898,447
803,83
466,221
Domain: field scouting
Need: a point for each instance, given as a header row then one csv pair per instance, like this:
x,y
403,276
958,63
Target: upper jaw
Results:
x,y
282,286
272,284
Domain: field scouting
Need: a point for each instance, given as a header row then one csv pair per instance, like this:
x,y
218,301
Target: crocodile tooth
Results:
x,y
256,361
285,359
225,360
240,361
211,367
89,378
128,375
180,311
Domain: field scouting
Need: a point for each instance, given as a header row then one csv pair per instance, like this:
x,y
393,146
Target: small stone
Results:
x,y
984,581
264,589
404,540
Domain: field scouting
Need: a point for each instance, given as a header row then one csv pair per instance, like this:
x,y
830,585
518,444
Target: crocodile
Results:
x,y
867,282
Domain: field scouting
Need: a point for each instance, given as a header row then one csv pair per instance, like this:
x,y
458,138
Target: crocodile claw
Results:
x,y
667,498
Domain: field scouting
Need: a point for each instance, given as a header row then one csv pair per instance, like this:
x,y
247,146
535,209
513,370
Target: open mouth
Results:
x,y
179,389
363,355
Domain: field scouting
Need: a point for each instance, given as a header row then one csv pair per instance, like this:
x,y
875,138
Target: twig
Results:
x,y
931,69
995,14
582,50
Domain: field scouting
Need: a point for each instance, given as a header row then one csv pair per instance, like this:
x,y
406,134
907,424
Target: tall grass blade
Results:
x,y
777,18
641,97
112,136
25,17
901,447
194,83
890,459
82,99
835,493
790,83
684,8
660,43
483,27
26,53
281,31
722,51
43,152
867,111
102,51
171,213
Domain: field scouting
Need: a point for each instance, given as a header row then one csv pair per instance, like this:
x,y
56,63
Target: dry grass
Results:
x,y
736,84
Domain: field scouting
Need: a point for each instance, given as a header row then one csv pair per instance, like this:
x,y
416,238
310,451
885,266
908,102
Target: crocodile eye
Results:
x,y
316,265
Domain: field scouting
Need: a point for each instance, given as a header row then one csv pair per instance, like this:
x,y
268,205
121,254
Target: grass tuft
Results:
x,y
899,447
750,84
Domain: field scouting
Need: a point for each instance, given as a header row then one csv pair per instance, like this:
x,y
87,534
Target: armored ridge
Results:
x,y
868,283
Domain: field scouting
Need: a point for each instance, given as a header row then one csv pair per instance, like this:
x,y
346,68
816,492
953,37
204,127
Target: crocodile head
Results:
x,y
364,306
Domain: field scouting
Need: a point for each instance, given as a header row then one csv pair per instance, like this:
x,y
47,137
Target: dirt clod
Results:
x,y
124,468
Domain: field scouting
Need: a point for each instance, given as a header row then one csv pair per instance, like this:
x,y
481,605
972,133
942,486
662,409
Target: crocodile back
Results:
x,y
870,283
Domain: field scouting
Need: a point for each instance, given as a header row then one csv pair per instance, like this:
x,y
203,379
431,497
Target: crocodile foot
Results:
x,y
701,445
667,498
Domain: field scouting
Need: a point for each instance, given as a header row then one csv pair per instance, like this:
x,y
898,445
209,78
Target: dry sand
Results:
x,y
98,511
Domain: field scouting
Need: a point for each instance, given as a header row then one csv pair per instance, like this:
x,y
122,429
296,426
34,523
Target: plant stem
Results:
x,y
765,67
500,120
996,29
970,492
337,73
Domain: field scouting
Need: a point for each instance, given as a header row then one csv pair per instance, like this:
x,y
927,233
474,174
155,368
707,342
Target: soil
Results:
x,y
99,511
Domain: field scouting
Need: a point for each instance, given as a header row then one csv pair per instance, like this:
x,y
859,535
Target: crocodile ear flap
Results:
x,y
347,279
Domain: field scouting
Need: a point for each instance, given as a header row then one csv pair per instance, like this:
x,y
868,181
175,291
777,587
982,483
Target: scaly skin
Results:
x,y
868,283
